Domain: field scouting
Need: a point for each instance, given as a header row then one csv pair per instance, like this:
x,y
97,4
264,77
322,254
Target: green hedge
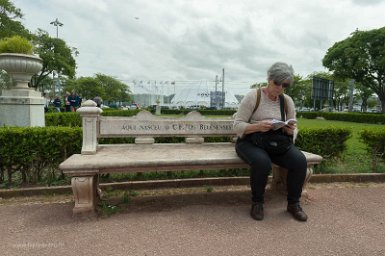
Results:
x,y
131,112
69,119
348,117
222,112
73,119
330,143
374,139
32,155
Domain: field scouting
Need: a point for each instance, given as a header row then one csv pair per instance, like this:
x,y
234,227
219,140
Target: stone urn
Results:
x,y
20,67
19,104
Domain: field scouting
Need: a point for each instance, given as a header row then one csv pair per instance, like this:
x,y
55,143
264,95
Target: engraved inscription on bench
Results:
x,y
156,126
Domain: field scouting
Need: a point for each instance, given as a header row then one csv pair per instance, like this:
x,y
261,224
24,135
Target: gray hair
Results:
x,y
280,72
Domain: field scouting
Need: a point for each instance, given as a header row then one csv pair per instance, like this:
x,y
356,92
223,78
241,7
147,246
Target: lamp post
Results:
x,y
57,24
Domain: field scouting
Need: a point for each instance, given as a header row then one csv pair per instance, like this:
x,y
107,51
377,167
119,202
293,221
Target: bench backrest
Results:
x,y
145,126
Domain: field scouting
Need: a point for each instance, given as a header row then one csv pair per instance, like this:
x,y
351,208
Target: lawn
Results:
x,y
356,159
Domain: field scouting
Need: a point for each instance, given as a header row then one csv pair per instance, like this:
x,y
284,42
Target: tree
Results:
x,y
363,93
360,57
56,55
87,87
300,91
9,25
113,88
106,87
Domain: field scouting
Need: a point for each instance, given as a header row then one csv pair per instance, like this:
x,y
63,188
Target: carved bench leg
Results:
x,y
279,180
85,194
279,176
309,173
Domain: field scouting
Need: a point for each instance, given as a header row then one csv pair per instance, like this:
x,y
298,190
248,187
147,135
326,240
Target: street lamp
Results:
x,y
57,24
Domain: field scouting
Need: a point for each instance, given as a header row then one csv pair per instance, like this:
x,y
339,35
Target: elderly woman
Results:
x,y
254,126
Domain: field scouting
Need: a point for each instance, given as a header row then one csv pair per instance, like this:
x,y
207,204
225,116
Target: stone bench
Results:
x,y
147,156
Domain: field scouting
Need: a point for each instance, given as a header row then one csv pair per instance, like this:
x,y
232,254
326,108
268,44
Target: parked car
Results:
x,y
134,106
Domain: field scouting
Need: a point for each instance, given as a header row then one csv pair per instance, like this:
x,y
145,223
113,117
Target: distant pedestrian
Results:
x,y
67,103
74,100
98,101
57,104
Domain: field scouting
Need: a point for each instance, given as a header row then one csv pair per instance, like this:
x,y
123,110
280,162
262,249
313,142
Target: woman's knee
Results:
x,y
261,163
297,159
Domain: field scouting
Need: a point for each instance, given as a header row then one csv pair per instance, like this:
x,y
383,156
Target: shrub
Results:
x,y
15,44
73,119
36,152
369,118
67,119
330,143
374,139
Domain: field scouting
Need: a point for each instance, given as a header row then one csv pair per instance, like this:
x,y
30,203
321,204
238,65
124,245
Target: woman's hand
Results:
x,y
264,126
289,129
260,126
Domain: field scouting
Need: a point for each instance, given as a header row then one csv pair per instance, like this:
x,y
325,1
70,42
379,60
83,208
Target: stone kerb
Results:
x,y
146,124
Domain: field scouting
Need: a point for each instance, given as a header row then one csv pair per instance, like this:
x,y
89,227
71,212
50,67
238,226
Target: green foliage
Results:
x,y
361,57
9,24
131,112
108,88
35,153
56,55
73,119
374,139
330,143
300,91
223,112
106,210
15,44
348,117
70,119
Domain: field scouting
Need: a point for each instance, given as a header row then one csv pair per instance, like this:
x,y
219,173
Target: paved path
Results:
x,y
343,220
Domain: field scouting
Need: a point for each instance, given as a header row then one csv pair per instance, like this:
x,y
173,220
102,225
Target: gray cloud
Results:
x,y
194,40
367,2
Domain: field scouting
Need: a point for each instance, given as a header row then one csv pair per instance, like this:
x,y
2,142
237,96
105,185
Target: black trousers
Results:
x,y
261,164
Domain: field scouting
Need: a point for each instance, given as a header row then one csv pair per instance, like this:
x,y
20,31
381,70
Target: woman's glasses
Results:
x,y
284,85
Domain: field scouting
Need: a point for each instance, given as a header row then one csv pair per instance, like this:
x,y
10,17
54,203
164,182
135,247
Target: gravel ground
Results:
x,y
344,219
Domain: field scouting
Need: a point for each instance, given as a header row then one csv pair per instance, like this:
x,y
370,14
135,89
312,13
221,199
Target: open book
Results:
x,y
279,124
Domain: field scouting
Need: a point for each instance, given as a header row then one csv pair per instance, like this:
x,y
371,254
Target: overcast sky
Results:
x,y
183,40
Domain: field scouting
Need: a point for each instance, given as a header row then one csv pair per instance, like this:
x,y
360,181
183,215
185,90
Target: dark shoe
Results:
x,y
257,211
297,212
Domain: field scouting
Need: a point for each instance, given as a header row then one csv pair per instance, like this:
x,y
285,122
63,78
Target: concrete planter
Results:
x,y
20,67
21,105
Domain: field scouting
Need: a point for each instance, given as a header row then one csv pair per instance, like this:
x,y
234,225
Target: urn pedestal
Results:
x,y
21,105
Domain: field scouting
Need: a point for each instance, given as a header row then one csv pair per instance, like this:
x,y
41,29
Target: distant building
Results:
x,y
196,97
183,94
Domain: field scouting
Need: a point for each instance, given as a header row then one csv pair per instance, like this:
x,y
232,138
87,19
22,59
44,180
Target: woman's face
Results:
x,y
275,88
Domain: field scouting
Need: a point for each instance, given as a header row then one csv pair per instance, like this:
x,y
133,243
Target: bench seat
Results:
x,y
159,157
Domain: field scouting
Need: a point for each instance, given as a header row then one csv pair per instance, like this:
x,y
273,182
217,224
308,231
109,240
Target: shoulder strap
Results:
x,y
258,92
283,107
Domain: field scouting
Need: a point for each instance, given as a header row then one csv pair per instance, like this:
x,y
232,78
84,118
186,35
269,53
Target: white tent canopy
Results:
x,y
198,97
